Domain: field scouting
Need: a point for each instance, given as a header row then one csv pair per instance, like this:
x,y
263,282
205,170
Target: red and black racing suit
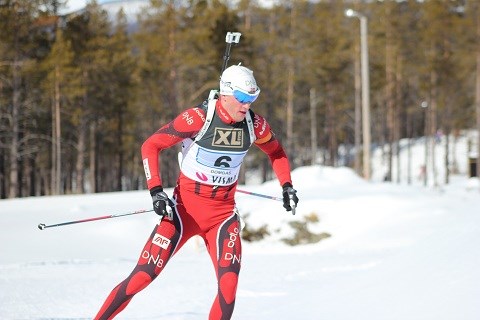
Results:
x,y
201,207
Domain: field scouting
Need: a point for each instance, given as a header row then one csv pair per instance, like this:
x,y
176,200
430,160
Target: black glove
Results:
x,y
161,202
290,198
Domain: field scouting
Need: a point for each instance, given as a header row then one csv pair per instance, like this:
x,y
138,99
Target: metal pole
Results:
x,y
365,91
365,97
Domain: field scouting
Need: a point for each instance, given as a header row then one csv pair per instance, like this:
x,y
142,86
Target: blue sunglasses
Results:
x,y
244,97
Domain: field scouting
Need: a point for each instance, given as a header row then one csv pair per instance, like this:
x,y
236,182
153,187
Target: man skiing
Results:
x,y
215,138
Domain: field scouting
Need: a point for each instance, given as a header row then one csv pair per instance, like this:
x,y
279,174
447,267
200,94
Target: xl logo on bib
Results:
x,y
230,138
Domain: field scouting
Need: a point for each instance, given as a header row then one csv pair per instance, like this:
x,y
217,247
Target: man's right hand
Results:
x,y
161,202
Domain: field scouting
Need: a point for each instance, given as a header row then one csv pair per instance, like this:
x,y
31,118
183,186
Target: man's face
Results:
x,y
236,110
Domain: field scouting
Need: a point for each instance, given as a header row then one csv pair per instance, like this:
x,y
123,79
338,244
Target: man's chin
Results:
x,y
240,116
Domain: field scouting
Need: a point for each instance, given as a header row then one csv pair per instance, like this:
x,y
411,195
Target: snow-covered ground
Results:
x,y
395,252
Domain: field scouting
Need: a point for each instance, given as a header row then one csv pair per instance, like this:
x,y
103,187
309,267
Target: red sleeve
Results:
x,y
267,142
185,125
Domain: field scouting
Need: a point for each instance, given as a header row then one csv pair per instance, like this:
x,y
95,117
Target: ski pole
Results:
x,y
260,195
42,226
292,204
230,38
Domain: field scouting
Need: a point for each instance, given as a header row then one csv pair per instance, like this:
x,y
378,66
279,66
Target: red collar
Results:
x,y
223,114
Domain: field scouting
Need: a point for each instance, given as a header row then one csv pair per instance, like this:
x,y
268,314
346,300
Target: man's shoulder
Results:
x,y
192,117
262,128
200,111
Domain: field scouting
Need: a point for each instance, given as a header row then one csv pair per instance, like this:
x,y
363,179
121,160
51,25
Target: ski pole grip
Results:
x,y
233,37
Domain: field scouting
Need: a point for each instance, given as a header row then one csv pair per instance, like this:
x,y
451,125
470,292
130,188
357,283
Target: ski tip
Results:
x,y
41,226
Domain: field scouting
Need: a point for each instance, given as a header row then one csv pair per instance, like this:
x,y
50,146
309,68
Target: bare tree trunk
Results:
x,y
30,163
358,110
447,155
398,114
80,163
3,191
424,169
92,176
410,126
45,180
53,180
331,126
477,91
38,177
313,125
389,93
120,149
290,76
248,17
290,82
58,150
433,123
67,176
454,165
14,152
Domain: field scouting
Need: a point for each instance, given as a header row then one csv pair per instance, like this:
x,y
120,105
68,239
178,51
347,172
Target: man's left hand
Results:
x,y
290,198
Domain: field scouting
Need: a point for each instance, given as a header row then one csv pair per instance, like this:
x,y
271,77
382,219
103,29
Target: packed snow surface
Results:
x,y
396,251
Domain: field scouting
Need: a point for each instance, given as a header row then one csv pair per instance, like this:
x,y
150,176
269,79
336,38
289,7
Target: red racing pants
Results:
x,y
205,211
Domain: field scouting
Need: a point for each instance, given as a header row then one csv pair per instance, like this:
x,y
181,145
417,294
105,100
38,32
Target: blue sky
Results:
x,y
78,4
75,4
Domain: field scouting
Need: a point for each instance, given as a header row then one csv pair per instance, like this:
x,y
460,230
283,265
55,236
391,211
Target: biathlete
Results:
x,y
215,136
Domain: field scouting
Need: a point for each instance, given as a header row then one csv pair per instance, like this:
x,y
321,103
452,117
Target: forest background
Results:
x,y
80,92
